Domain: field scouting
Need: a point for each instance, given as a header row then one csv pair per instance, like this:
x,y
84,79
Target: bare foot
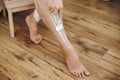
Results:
x,y
33,28
74,65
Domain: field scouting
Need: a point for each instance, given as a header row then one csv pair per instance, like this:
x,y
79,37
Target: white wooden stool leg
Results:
x,y
3,8
11,23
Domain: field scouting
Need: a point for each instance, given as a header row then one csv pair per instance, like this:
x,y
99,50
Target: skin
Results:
x,y
47,8
34,35
55,6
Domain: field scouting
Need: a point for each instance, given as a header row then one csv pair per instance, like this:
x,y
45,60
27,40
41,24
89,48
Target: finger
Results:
x,y
51,5
56,4
51,10
60,3
55,11
61,13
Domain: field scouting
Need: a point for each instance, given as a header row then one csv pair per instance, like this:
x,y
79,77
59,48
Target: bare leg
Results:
x,y
33,28
72,59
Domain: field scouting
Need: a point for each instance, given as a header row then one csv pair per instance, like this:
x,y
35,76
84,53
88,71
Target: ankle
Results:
x,y
70,52
73,56
70,48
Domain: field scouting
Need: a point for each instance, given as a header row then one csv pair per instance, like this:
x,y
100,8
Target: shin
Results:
x,y
54,23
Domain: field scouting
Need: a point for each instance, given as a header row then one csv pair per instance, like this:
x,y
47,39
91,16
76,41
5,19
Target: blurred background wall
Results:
x,y
0,5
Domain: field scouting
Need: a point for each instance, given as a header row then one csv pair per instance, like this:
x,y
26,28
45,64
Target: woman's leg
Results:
x,y
32,22
72,59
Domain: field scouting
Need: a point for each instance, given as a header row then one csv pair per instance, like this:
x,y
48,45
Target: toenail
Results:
x,y
87,73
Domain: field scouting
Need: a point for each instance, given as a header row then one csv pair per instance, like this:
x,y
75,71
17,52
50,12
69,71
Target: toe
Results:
x,y
72,73
83,75
38,40
80,75
76,74
86,73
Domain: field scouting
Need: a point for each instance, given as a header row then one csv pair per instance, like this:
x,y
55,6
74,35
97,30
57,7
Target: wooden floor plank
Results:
x,y
93,28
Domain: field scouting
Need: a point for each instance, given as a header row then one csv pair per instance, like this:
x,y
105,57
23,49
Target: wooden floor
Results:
x,y
92,26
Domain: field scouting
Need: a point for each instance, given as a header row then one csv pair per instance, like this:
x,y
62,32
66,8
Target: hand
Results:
x,y
55,6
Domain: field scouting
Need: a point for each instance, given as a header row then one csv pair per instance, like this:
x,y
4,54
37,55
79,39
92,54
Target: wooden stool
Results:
x,y
15,6
3,8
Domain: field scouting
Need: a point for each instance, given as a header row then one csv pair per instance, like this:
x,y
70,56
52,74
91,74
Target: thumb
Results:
x,y
61,14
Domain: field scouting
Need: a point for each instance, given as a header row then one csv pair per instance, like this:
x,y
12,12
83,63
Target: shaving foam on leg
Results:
x,y
36,16
61,33
59,24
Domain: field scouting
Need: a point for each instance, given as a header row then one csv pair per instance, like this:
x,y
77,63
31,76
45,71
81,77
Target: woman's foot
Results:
x,y
33,28
74,65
